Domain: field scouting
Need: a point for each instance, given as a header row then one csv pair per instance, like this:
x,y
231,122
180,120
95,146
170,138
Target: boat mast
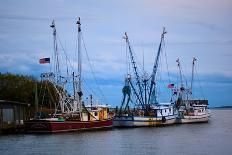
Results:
x,y
57,67
138,95
193,64
74,86
144,80
79,88
181,80
36,99
91,100
56,59
183,92
155,67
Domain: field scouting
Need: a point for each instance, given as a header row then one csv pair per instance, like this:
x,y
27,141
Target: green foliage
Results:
x,y
21,88
47,94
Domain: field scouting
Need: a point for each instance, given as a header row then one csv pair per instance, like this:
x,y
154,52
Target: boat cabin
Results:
x,y
164,109
95,112
194,107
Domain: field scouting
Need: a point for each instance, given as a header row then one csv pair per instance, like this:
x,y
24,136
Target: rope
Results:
x,y
66,56
201,90
88,88
138,64
91,68
127,64
165,54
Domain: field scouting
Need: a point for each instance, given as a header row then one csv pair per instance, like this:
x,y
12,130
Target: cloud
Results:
x,y
18,17
212,43
202,30
212,27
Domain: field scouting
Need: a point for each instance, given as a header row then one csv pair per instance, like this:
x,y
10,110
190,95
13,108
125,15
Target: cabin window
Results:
x,y
169,110
95,114
165,110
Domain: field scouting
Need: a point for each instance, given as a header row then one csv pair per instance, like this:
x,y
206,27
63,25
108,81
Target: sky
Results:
x,y
200,29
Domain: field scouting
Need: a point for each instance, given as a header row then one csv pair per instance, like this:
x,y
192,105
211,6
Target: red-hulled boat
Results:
x,y
70,113
92,117
53,126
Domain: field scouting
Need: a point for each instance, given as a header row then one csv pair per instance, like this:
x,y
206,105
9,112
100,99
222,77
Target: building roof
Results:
x,y
13,102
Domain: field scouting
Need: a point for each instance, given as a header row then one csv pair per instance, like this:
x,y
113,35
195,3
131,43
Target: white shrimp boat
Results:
x,y
191,110
163,114
196,113
147,110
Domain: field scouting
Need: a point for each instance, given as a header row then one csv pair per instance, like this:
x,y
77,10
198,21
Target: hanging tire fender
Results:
x,y
163,119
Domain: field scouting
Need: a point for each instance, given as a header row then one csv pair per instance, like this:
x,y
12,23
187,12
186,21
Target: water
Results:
x,y
211,138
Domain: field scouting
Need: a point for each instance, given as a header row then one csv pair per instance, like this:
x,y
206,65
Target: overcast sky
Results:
x,y
200,29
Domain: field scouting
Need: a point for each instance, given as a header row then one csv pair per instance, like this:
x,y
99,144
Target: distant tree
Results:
x,y
21,88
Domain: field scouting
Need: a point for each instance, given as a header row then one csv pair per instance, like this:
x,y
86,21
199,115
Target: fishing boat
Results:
x,y
190,110
70,113
196,112
140,91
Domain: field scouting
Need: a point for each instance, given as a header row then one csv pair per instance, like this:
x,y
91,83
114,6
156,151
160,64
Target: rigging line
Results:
x,y
41,87
91,68
136,94
201,89
76,49
139,66
135,68
127,64
89,88
183,77
85,86
65,53
86,90
130,66
43,94
51,96
166,59
51,64
162,81
66,61
143,71
40,94
133,99
165,82
159,78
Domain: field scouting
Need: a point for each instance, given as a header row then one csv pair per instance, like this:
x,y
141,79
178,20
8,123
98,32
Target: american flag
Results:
x,y
44,60
171,85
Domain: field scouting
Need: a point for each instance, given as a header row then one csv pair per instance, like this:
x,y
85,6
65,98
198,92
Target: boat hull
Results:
x,y
50,126
193,119
142,121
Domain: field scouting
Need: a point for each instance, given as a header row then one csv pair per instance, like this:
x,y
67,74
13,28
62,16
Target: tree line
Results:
x,y
22,88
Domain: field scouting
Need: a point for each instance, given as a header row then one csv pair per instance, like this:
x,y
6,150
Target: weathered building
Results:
x,y
12,115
